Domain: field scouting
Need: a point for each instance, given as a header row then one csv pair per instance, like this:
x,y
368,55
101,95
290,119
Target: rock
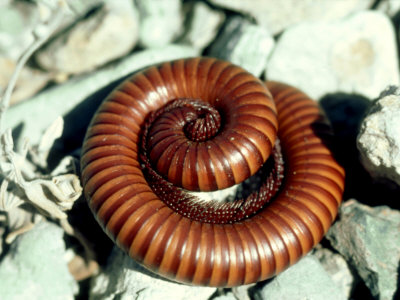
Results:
x,y
123,278
29,82
108,33
160,22
369,239
338,269
389,7
35,267
40,111
379,137
278,15
354,55
245,44
242,292
227,296
17,21
203,24
307,279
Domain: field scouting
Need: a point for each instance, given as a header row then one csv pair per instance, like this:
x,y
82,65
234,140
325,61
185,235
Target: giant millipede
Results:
x,y
202,124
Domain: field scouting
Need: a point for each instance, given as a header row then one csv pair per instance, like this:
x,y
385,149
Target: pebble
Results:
x,y
35,266
16,23
369,239
61,99
29,82
123,278
379,137
227,296
389,7
307,279
276,16
203,25
354,55
160,22
338,269
245,44
108,33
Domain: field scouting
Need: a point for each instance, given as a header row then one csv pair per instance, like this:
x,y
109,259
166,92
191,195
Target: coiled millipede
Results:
x,y
202,124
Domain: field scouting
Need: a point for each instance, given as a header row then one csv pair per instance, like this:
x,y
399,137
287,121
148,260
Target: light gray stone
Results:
x,y
29,82
379,137
40,111
123,278
17,21
369,240
35,266
242,292
353,55
160,22
109,33
278,15
338,269
389,7
227,296
203,25
307,279
245,44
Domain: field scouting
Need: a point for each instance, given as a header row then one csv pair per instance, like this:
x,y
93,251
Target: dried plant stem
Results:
x,y
40,37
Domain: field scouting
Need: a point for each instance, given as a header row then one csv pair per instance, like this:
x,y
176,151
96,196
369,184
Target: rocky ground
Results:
x,y
70,54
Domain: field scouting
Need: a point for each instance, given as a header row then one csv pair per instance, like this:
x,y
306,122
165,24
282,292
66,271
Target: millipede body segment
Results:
x,y
203,124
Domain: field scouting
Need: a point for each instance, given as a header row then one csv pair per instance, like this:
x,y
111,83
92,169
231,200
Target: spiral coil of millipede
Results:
x,y
203,124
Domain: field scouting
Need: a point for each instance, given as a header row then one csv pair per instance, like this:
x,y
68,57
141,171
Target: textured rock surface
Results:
x,y
369,239
336,266
110,32
29,82
379,137
227,296
35,267
16,23
245,44
277,15
242,292
160,21
354,55
390,7
307,279
203,25
123,278
63,98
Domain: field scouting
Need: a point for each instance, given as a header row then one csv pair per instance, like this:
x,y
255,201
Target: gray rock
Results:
x,y
389,7
17,21
338,269
123,278
227,296
35,266
160,21
242,292
245,44
353,55
107,34
203,25
379,137
278,15
307,279
369,240
40,111
29,82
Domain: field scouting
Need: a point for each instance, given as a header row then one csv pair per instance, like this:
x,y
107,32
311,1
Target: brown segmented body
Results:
x,y
202,253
